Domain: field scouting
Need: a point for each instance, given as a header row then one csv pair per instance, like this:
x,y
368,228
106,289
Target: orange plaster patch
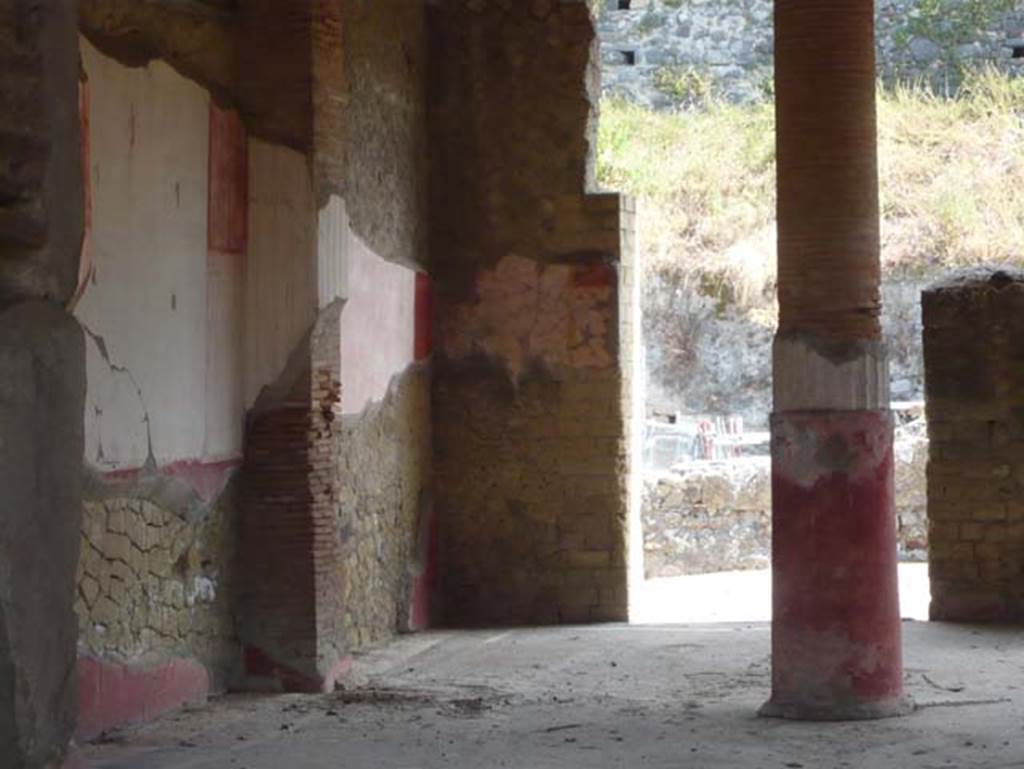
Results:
x,y
559,315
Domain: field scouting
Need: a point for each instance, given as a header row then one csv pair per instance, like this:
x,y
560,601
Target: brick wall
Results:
x,y
289,596
529,398
974,372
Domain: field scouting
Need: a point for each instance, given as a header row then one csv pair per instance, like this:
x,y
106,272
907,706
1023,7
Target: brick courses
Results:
x,y
530,398
974,368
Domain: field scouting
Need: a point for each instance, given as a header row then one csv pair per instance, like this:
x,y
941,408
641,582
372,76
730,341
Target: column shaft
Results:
x,y
42,379
836,647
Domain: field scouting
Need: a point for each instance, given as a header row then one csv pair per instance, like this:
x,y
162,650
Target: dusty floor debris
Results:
x,y
608,696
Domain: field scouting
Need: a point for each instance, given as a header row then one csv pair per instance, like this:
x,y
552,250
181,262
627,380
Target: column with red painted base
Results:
x,y
836,636
836,650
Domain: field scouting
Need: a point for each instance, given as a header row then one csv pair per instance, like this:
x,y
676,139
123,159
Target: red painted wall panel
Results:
x,y
228,215
112,695
85,257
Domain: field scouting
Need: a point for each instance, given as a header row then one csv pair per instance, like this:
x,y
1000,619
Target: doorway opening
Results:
x,y
694,144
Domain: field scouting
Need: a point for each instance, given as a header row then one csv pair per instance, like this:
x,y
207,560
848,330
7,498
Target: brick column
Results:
x,y
836,650
289,601
290,611
975,394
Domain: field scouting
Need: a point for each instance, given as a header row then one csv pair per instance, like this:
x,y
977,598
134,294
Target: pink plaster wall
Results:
x,y
378,325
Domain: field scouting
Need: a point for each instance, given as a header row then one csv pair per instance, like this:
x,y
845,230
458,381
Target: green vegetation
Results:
x,y
952,179
686,86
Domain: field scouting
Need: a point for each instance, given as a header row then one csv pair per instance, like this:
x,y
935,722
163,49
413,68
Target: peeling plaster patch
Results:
x,y
103,389
378,324
810,447
816,374
188,489
809,668
201,590
558,315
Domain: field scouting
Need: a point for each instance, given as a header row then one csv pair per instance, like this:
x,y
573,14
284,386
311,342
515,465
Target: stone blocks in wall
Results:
x,y
529,395
648,51
142,587
531,494
530,421
42,393
709,516
153,601
974,378
384,513
662,53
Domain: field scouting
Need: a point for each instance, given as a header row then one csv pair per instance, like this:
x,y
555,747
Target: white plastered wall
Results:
x,y
281,268
146,307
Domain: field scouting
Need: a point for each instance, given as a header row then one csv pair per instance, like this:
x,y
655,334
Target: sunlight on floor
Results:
x,y
746,596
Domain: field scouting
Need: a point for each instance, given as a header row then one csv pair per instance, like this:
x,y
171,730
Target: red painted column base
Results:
x,y
836,635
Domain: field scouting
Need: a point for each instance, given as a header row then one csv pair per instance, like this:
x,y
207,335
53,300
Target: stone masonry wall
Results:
x,y
658,51
974,379
716,516
154,575
528,398
384,478
708,517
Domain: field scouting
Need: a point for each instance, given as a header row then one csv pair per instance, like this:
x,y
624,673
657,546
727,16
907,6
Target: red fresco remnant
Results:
x,y
423,333
112,695
207,479
525,310
228,205
85,258
421,606
597,275
836,636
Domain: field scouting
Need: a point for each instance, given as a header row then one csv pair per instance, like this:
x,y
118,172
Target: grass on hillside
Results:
x,y
952,179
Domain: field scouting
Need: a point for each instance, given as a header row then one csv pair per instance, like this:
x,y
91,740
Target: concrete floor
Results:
x,y
609,696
